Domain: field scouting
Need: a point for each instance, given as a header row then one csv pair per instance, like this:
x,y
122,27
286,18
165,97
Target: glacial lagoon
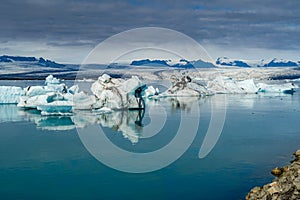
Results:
x,y
46,157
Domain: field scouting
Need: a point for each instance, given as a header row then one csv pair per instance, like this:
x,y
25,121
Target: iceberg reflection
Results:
x,y
128,122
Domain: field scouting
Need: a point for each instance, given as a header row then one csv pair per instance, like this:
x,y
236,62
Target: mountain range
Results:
x,y
225,61
182,63
24,68
22,60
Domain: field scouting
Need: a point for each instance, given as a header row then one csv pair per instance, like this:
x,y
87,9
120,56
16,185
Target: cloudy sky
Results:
x,y
66,31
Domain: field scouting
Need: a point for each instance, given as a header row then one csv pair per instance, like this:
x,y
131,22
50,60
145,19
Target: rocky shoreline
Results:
x,y
286,185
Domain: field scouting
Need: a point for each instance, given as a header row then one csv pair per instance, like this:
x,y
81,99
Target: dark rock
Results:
x,y
277,171
286,186
297,153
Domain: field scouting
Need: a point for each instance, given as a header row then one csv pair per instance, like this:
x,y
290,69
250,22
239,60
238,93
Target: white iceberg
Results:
x,y
56,98
32,102
10,94
53,98
52,85
116,93
226,85
83,101
151,92
185,87
56,108
52,80
41,95
287,88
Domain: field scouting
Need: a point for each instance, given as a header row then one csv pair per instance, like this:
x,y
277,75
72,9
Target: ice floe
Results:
x,y
226,85
287,88
42,95
117,93
185,86
10,94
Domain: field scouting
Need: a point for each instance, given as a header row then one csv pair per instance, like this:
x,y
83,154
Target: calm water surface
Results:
x,y
44,157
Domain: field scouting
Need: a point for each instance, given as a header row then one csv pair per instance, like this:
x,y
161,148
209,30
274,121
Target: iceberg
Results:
x,y
42,95
117,93
151,91
248,86
56,108
27,102
185,87
56,99
287,88
83,101
226,85
52,85
10,94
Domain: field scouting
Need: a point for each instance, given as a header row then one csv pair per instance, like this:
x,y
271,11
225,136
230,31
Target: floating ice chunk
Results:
x,y
55,97
226,85
105,78
151,91
83,101
74,89
10,94
32,102
41,90
248,86
130,85
51,80
52,85
35,91
185,87
56,88
288,88
101,84
116,93
56,108
198,88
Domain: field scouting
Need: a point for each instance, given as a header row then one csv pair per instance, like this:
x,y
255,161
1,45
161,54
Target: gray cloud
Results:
x,y
268,24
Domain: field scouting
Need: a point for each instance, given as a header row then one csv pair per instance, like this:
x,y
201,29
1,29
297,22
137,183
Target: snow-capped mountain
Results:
x,y
148,62
225,61
281,63
182,63
30,61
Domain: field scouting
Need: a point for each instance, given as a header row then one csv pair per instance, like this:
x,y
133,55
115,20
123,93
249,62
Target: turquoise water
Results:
x,y
46,158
